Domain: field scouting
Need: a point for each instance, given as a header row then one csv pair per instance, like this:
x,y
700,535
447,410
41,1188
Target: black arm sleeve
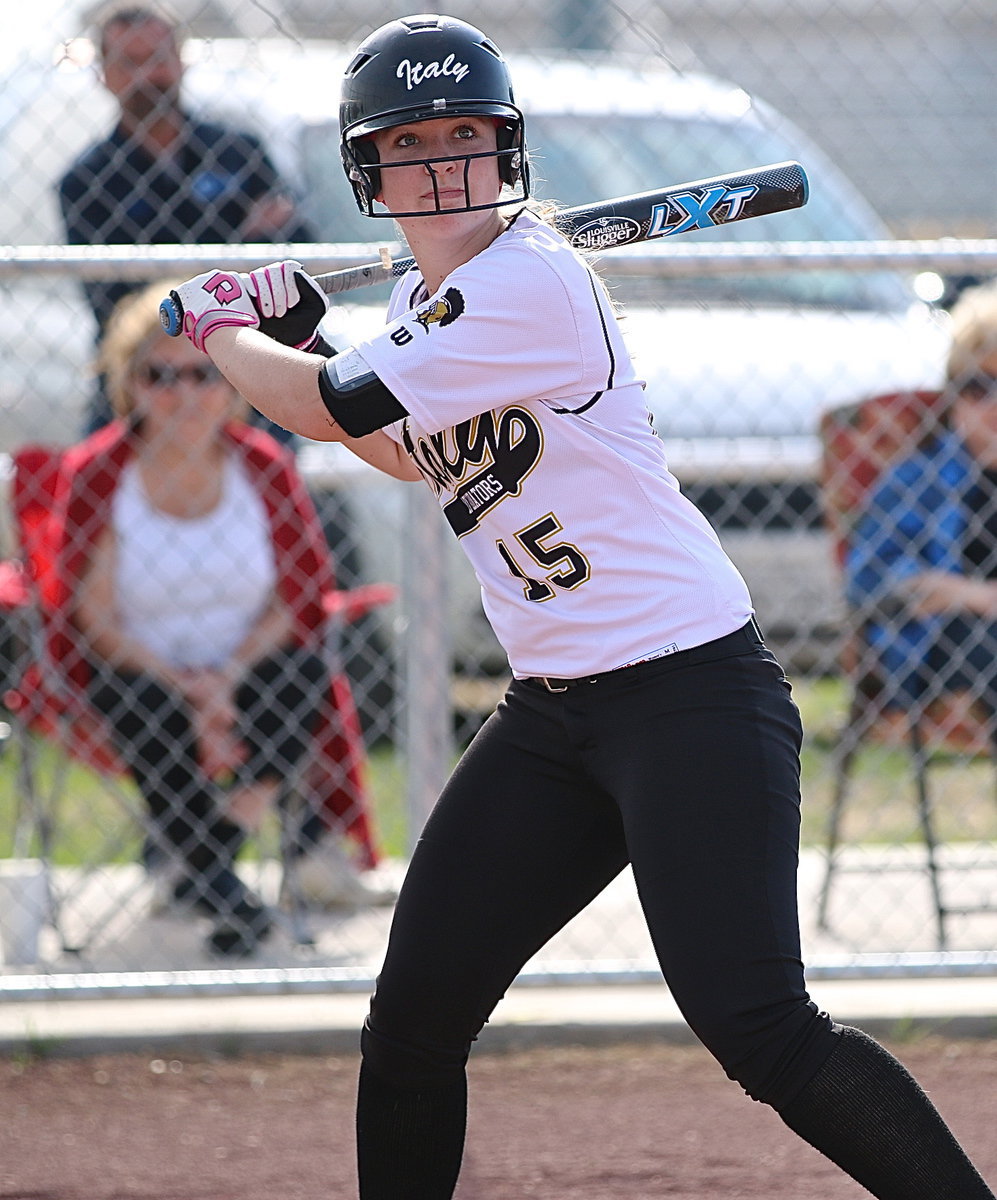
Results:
x,y
360,406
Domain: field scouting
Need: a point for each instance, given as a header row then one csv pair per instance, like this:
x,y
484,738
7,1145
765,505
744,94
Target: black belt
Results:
x,y
748,637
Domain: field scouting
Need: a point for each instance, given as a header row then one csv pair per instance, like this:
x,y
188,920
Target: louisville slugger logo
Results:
x,y
699,210
416,73
605,233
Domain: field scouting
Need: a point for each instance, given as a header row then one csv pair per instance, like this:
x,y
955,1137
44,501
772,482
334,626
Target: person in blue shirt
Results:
x,y
922,558
161,175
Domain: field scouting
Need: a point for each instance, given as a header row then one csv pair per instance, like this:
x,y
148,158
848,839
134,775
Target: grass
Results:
x,y
91,814
881,804
386,779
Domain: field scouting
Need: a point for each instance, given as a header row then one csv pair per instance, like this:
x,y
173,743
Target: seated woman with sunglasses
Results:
x,y
193,570
923,556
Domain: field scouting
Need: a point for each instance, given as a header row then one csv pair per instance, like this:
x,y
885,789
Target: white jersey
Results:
x,y
528,421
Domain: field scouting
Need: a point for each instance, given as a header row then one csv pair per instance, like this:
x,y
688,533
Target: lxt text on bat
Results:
x,y
689,210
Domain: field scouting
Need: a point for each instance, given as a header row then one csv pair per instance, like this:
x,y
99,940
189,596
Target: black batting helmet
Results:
x,y
417,69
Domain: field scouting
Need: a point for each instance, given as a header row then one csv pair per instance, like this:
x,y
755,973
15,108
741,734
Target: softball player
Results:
x,y
646,723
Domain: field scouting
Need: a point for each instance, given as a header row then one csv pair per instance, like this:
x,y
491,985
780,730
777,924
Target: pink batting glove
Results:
x,y
214,300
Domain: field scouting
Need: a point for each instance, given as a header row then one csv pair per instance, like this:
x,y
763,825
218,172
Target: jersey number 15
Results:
x,y
567,566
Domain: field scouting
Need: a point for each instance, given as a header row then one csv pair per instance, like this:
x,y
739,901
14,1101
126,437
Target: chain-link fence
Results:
x,y
765,345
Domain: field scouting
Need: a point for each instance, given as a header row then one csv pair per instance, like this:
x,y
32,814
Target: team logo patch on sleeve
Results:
x,y
442,312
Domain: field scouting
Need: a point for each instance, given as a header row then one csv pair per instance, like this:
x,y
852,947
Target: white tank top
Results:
x,y
528,421
190,589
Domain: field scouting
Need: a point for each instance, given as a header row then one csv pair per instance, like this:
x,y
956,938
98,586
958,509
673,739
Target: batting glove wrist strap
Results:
x,y
213,301
290,303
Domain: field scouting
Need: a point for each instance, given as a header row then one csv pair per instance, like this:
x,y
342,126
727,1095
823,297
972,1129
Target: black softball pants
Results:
x,y
688,768
278,702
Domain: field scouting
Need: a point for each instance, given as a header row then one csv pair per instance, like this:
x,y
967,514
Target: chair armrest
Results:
x,y
351,604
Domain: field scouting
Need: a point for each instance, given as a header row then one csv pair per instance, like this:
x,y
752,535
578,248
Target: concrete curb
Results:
x,y
528,1017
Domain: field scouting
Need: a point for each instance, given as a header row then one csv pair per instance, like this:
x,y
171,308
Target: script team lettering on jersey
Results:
x,y
504,446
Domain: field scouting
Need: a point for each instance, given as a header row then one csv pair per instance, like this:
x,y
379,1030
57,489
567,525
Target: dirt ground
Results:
x,y
626,1123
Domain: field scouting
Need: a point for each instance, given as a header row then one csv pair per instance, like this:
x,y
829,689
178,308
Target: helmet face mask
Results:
x,y
421,69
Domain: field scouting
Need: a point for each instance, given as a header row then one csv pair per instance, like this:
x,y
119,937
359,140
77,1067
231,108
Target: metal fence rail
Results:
x,y
669,260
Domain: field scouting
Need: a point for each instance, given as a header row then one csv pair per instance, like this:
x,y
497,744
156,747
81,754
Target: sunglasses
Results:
x,y
979,386
165,375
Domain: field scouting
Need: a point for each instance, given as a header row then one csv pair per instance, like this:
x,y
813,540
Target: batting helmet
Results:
x,y
417,69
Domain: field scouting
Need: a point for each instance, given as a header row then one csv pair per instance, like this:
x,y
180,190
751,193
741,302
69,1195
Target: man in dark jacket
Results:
x,y
162,176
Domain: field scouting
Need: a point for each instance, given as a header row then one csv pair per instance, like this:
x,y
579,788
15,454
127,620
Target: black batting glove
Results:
x,y
290,303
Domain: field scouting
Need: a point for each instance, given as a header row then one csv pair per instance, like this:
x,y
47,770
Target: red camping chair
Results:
x,y
859,440
42,704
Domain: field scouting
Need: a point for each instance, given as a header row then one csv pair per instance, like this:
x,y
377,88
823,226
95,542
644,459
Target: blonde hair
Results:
x,y
974,331
134,327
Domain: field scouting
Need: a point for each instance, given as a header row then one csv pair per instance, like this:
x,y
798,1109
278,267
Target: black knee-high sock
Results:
x,y
866,1112
409,1143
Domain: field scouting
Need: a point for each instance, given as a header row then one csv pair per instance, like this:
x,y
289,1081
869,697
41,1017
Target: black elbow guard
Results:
x,y
360,403
326,349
